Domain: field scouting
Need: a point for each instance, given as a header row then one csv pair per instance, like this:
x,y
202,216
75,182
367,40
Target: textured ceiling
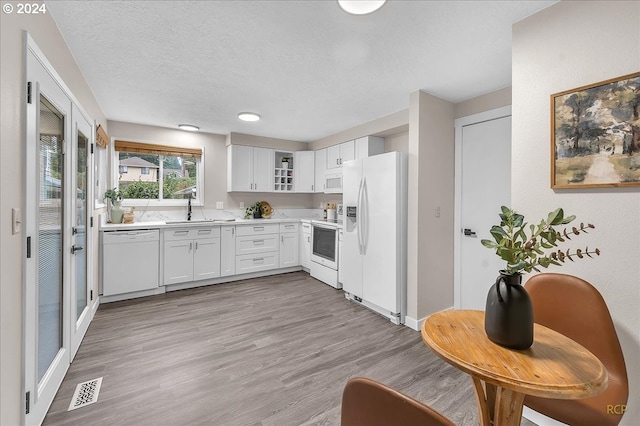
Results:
x,y
307,67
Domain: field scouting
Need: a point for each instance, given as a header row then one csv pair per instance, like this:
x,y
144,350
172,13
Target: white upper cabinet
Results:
x,y
249,169
304,171
368,146
338,154
320,169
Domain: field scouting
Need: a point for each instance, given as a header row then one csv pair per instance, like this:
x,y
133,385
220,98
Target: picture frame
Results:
x,y
595,135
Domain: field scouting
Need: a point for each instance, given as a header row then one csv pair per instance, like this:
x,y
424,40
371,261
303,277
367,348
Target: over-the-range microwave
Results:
x,y
333,183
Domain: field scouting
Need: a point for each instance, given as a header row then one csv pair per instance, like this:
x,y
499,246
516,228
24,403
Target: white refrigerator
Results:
x,y
374,261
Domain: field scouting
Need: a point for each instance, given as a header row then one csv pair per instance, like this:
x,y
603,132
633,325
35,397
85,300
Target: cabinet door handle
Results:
x,y
258,242
309,239
196,245
190,246
233,231
258,260
282,238
258,228
337,161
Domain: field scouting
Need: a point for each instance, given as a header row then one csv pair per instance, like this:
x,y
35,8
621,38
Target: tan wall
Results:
x,y
568,45
45,33
388,125
486,102
215,149
398,142
254,140
431,185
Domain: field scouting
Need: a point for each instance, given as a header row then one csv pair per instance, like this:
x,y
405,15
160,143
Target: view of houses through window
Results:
x,y
148,173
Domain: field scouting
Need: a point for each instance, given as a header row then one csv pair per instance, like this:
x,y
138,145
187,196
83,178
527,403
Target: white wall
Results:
x,y
568,45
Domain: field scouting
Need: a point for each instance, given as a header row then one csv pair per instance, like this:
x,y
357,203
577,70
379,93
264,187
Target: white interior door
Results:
x,y
47,299
483,151
80,232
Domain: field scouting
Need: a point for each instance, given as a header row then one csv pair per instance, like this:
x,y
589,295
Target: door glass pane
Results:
x,y
50,235
80,224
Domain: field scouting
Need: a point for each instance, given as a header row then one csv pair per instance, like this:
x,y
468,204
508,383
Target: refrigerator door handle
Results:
x,y
365,216
359,216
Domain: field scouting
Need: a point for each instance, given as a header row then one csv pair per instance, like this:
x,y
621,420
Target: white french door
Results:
x,y
47,300
80,232
483,184
57,296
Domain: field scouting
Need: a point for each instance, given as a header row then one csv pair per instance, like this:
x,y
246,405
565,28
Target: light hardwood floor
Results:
x,y
267,351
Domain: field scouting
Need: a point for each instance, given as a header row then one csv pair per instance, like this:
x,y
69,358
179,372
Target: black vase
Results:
x,y
257,214
508,317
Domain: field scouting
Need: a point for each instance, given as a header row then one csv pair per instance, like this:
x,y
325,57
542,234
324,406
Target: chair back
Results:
x,y
573,307
366,402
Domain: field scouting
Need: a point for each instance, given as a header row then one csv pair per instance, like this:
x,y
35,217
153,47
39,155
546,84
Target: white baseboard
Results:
x,y
412,323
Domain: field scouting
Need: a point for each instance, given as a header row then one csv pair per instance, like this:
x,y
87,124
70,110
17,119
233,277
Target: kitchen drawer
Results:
x,y
306,227
256,262
256,244
289,227
191,233
269,228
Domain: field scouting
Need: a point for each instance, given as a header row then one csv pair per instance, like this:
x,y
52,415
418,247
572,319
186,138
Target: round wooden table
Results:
x,y
553,367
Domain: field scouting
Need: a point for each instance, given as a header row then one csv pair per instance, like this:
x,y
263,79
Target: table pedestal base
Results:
x,y
496,405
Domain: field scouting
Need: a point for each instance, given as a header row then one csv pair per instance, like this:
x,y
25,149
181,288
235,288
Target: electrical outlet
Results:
x,y
219,205
16,221
241,205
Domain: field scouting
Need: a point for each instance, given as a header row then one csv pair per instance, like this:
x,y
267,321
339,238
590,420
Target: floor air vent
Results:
x,y
86,393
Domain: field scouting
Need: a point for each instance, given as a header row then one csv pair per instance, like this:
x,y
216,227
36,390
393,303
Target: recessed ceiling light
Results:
x,y
248,116
188,127
360,7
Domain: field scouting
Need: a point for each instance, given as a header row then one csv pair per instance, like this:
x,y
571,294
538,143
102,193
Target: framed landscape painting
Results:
x,y
595,135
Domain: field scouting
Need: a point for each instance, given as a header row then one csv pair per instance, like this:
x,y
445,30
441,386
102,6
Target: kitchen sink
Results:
x,y
169,222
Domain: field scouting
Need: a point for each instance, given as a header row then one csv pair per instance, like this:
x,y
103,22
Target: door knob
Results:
x,y
469,233
74,249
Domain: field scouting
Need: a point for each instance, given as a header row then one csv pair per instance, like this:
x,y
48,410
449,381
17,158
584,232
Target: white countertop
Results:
x,y
193,223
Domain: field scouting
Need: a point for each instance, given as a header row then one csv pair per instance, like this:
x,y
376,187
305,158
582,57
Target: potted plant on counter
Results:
x,y
114,207
525,248
254,211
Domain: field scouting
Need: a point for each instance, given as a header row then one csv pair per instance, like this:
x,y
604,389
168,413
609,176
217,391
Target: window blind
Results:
x,y
149,148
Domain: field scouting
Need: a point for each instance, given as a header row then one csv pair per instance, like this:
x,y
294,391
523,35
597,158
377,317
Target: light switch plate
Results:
x,y
219,205
241,205
16,221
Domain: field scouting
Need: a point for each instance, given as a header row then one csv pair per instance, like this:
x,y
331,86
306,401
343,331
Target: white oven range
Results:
x,y
324,252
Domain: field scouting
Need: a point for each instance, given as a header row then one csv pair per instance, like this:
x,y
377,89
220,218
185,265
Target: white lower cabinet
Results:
x,y
289,245
257,248
228,251
305,245
191,254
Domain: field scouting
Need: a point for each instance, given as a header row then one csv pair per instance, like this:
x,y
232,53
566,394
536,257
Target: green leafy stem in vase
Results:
x,y
113,195
539,247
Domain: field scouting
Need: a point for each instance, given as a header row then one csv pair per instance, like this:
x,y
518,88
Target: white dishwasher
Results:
x,y
130,261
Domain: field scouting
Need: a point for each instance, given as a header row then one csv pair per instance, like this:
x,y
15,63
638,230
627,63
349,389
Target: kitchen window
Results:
x,y
150,174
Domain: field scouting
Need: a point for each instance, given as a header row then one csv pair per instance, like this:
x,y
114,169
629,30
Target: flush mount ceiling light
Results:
x,y
248,116
188,127
360,7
